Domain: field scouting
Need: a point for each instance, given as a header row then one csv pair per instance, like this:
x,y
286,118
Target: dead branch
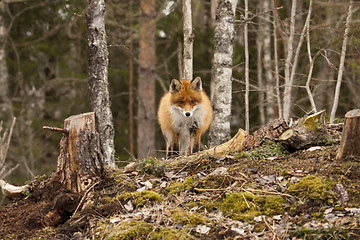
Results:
x,y
11,191
56,129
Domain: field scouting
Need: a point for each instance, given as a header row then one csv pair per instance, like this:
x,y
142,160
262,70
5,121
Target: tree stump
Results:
x,y
350,139
305,132
80,161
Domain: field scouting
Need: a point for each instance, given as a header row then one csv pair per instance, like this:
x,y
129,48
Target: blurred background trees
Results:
x,y
43,66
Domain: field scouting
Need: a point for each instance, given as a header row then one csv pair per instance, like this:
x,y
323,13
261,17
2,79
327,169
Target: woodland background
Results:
x,y
43,67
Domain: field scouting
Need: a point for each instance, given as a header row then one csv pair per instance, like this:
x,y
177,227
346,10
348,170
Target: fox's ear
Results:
x,y
175,86
196,84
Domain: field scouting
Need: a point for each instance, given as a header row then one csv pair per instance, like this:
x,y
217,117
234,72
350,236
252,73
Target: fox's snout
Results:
x,y
188,114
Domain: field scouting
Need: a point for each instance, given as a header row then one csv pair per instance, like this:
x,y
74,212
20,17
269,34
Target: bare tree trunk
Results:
x,y
188,40
259,46
288,86
289,82
131,83
4,76
180,60
341,67
276,58
312,61
222,72
98,78
269,81
246,43
213,4
146,83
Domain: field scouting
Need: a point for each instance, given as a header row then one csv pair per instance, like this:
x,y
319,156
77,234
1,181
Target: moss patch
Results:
x,y
152,166
267,149
138,198
245,206
130,230
187,217
125,231
216,181
177,187
313,188
166,233
333,232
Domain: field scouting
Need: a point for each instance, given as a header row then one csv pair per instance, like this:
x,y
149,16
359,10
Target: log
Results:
x,y
240,142
80,162
305,132
10,191
270,131
350,138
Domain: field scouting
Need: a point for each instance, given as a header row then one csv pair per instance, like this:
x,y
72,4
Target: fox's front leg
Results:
x,y
195,139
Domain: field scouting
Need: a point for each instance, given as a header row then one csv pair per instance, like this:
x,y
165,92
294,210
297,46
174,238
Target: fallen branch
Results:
x,y
11,191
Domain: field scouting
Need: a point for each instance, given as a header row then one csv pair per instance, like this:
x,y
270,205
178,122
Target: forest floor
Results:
x,y
267,193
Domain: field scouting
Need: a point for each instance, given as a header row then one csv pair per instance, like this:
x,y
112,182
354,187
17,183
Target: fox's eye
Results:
x,y
192,102
181,102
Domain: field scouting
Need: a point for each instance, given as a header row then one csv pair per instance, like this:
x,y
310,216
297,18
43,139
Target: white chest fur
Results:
x,y
183,125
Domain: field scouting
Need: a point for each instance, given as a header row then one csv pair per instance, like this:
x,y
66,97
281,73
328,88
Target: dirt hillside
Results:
x,y
266,193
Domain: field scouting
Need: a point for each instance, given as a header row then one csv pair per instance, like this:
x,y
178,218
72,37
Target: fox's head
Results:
x,y
186,95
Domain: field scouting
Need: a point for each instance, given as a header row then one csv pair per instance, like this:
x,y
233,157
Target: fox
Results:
x,y
184,114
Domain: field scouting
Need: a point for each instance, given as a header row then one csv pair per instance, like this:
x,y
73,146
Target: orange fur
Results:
x,y
184,114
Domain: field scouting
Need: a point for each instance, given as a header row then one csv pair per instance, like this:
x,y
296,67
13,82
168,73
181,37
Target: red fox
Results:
x,y
184,114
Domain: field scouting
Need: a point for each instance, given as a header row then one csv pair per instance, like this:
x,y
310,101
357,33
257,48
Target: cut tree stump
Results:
x,y
80,162
350,139
305,132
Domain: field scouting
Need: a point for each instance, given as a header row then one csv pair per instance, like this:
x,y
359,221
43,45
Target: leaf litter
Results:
x,y
300,195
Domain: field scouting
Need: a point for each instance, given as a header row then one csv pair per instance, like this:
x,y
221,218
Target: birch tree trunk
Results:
x,y
222,72
4,76
146,83
288,86
246,43
188,40
269,81
98,78
276,58
259,47
341,67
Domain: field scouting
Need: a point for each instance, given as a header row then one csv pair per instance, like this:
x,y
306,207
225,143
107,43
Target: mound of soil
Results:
x,y
191,201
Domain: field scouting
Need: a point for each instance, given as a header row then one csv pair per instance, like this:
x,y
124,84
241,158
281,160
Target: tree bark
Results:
x,y
131,83
146,84
6,106
269,81
222,72
247,80
188,40
276,58
350,139
259,71
288,86
305,132
98,78
80,162
341,67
